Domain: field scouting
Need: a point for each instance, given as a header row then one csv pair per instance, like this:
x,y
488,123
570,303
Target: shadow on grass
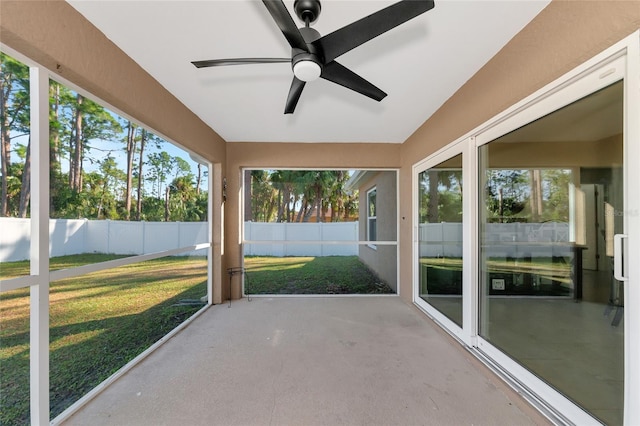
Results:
x,y
111,285
311,275
84,354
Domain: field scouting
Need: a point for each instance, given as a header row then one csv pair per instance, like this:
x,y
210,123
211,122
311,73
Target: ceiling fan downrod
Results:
x,y
307,10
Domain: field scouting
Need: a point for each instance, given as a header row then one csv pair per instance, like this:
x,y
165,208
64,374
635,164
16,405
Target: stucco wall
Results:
x,y
383,258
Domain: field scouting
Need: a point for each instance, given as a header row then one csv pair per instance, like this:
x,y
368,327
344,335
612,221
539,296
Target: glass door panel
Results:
x,y
440,238
551,201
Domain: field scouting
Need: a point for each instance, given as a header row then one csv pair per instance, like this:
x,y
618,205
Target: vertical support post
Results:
x,y
210,238
216,233
477,168
39,301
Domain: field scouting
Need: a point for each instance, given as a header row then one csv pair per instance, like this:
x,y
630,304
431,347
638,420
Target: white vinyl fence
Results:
x,y
68,236
502,239
301,239
76,236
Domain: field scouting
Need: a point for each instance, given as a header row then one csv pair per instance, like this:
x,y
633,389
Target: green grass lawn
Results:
x,y
98,323
311,275
544,267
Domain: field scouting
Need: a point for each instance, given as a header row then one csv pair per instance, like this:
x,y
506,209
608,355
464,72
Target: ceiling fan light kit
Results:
x,y
307,70
313,56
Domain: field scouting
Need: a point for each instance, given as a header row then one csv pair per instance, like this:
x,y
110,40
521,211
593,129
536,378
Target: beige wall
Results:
x,y
382,259
561,37
564,35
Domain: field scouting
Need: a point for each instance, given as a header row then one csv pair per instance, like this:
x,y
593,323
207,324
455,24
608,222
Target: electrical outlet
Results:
x,y
497,284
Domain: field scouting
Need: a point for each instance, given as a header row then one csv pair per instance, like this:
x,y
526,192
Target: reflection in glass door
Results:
x,y
551,201
440,238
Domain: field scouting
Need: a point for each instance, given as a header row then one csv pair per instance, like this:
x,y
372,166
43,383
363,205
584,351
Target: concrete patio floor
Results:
x,y
310,361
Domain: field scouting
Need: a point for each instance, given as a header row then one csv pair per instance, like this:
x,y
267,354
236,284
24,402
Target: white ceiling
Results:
x,y
420,64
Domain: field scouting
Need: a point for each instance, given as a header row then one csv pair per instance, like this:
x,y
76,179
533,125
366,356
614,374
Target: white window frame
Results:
x,y
370,218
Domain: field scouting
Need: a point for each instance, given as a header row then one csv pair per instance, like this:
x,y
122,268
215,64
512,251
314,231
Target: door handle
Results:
x,y
618,257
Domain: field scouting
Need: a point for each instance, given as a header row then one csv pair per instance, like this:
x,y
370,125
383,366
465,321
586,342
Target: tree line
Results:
x,y
510,195
86,180
299,196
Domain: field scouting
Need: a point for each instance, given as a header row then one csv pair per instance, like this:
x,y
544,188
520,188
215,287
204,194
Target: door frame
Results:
x,y
460,333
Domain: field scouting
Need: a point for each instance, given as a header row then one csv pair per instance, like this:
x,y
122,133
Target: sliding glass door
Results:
x,y
439,238
533,266
552,201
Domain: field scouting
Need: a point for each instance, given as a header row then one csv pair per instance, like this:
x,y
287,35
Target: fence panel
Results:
x,y
272,233
503,239
193,233
71,232
97,240
159,238
127,237
15,239
76,236
258,231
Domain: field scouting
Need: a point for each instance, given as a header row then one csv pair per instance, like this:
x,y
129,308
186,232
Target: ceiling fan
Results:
x,y
313,55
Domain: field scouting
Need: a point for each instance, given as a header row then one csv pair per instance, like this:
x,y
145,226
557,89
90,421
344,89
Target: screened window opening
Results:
x,y
308,232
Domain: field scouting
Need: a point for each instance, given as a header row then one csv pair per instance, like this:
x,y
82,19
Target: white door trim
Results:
x,y
461,333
